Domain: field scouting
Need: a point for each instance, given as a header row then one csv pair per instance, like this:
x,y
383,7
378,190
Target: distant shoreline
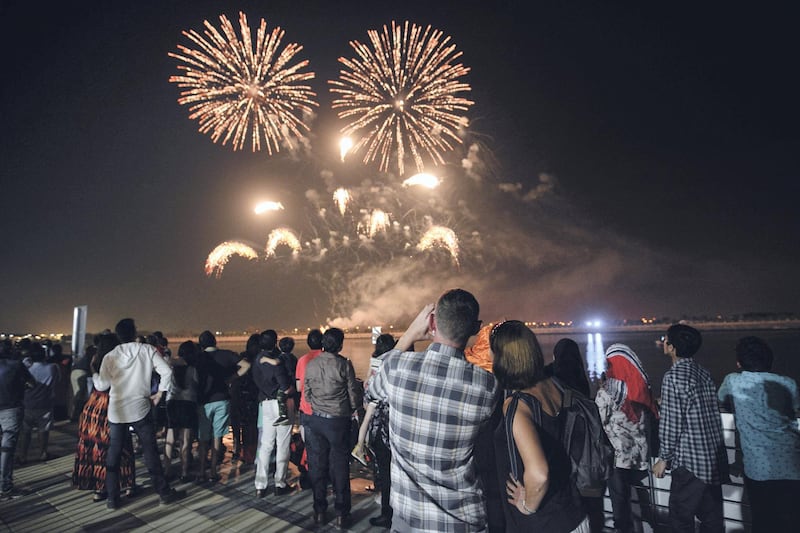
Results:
x,y
754,325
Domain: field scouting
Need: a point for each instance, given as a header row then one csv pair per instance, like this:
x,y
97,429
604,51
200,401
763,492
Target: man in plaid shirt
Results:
x,y
691,436
438,402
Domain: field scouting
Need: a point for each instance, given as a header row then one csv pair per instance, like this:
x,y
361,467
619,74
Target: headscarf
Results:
x,y
479,354
627,382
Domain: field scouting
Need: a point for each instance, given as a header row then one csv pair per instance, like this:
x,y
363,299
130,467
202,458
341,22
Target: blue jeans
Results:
x,y
147,437
9,425
328,447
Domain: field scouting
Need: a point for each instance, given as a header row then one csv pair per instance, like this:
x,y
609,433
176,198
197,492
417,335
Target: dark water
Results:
x,y
717,353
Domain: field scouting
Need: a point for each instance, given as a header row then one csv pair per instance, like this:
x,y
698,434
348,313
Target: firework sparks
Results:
x,y
263,207
424,180
282,236
341,197
235,91
220,255
440,236
376,221
402,95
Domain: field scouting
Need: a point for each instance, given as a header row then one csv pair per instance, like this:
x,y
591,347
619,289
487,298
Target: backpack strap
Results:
x,y
511,411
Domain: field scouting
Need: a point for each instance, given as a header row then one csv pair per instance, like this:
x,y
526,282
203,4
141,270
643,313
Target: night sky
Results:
x,y
633,161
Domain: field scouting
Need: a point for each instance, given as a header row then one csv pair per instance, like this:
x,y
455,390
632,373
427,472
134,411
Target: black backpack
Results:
x,y
586,442
583,437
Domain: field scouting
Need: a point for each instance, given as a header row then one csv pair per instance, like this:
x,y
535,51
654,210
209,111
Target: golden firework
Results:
x,y
235,90
440,236
220,256
282,236
402,95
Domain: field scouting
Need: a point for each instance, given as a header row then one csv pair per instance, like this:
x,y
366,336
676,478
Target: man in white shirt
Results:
x,y
126,372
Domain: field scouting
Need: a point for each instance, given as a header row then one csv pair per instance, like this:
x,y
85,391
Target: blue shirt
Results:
x,y
765,406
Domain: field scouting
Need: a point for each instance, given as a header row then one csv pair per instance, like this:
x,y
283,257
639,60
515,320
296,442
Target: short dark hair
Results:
x,y
333,340
207,339
383,344
126,330
314,339
268,340
518,362
38,352
457,315
754,354
286,344
685,339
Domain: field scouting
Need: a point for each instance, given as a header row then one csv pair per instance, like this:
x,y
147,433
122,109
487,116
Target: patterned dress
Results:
x,y
89,472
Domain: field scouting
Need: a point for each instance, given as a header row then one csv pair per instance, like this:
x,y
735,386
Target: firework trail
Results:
x,y
220,255
283,236
263,207
341,197
424,180
402,95
234,90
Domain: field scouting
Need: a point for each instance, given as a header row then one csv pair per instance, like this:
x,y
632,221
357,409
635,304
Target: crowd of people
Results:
x,y
460,438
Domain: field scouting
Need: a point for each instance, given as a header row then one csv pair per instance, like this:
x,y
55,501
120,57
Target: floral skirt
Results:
x,y
89,471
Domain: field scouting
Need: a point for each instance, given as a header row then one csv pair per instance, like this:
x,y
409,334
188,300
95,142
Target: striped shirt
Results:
x,y
437,404
691,429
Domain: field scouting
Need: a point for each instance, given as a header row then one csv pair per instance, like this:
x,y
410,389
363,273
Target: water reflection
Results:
x,y
595,355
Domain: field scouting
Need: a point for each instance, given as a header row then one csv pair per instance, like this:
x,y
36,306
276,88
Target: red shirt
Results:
x,y
300,375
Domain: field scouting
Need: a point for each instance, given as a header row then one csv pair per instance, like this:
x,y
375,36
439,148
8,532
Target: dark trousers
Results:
x,y
619,489
383,474
328,447
773,504
147,438
690,497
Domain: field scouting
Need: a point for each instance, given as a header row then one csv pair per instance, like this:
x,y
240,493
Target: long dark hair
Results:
x,y
188,352
568,366
105,343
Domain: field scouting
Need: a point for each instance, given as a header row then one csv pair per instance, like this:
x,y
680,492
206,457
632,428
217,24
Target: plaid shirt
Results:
x,y
691,428
437,404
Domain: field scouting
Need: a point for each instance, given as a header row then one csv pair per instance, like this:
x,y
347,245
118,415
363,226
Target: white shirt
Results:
x,y
126,372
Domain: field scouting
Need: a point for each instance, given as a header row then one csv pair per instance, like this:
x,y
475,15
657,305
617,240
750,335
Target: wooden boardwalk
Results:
x,y
48,503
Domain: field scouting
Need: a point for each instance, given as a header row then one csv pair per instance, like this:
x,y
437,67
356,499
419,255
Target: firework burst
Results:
x,y
440,236
375,221
282,236
402,95
219,256
236,91
341,197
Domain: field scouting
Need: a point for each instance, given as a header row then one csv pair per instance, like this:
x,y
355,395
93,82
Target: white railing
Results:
x,y
654,494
